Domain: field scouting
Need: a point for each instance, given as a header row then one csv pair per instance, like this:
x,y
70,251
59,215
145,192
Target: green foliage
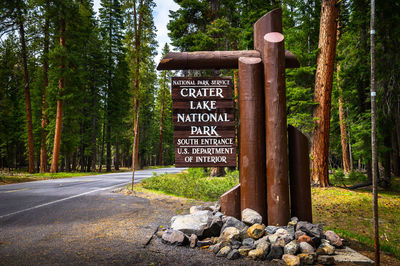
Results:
x,y
338,178
100,63
194,184
300,98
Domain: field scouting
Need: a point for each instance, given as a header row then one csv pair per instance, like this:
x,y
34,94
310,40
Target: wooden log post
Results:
x,y
215,59
276,131
299,172
252,151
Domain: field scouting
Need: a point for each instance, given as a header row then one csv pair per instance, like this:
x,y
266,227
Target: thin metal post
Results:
x,y
373,138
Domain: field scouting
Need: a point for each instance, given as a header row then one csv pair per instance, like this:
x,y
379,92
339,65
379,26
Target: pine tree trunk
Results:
x,y
342,120
395,155
43,148
74,162
343,129
217,171
160,148
68,163
57,135
135,150
108,156
28,109
138,34
92,158
323,93
117,155
102,147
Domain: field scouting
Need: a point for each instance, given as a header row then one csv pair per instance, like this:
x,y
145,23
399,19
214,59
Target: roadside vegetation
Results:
x,y
347,212
194,183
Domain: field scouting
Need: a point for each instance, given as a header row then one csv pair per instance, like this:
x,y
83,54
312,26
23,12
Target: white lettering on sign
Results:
x,y
225,82
205,105
184,82
201,92
211,151
206,117
203,130
211,159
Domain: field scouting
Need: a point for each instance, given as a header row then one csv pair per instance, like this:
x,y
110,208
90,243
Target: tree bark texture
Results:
x,y
43,147
343,129
276,130
57,135
108,155
342,120
323,93
138,34
395,155
28,108
160,148
117,154
102,147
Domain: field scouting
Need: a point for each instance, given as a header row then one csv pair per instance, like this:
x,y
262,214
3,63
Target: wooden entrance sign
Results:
x,y
264,164
204,122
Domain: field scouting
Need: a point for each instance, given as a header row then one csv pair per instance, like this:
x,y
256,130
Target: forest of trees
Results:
x,y
77,89
72,85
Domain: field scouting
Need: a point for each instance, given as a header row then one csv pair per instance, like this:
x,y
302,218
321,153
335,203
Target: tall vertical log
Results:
x,y
270,22
57,135
276,132
299,170
323,92
252,152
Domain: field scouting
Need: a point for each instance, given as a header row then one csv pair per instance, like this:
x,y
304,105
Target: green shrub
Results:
x,y
195,184
338,178
357,177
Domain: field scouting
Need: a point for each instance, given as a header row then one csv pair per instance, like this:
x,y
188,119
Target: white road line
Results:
x,y
60,200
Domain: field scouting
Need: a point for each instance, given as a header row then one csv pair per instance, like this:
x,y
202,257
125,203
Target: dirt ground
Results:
x,y
123,235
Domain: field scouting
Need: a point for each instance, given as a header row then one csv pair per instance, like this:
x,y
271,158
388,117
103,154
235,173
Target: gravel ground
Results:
x,y
119,231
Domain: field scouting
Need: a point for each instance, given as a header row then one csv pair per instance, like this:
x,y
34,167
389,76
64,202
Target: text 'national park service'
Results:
x,y
204,121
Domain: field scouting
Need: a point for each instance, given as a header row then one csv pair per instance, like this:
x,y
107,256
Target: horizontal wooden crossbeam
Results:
x,y
214,60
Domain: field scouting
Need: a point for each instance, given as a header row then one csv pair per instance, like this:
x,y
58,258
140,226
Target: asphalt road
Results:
x,y
17,199
78,220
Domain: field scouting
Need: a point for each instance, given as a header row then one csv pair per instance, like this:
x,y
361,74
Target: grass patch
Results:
x,y
10,178
194,183
349,213
158,166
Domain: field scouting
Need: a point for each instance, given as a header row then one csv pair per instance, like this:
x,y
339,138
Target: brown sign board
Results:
x,y
204,121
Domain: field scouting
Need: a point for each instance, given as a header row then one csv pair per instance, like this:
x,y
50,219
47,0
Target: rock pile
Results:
x,y
297,243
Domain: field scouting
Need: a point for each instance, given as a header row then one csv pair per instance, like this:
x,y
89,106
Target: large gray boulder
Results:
x,y
174,237
192,223
230,221
315,231
251,217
